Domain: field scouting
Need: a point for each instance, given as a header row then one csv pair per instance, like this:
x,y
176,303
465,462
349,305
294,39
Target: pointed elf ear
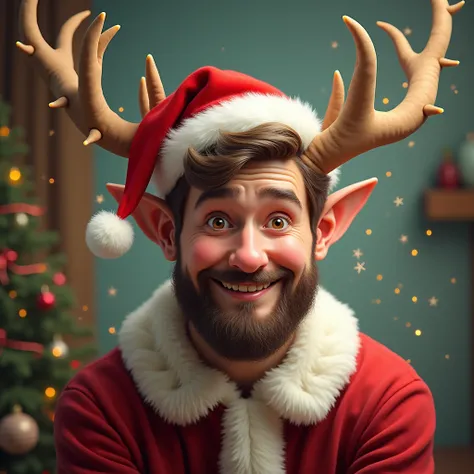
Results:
x,y
340,210
154,218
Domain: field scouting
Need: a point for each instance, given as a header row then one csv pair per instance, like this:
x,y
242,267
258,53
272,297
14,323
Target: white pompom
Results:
x,y
108,236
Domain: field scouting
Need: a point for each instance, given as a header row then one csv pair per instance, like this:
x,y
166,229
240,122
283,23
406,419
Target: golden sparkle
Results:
x,y
398,201
453,281
50,392
407,31
100,198
14,175
397,291
334,44
418,332
404,239
411,144
57,351
405,85
414,252
408,325
112,291
414,299
385,100
112,330
379,277
388,174
368,231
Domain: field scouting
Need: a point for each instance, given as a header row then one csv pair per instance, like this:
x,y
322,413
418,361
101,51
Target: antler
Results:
x,y
359,127
336,101
151,90
81,95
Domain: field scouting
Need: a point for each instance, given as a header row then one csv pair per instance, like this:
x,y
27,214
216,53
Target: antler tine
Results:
x,y
143,100
336,144
336,101
111,131
156,91
65,38
151,91
360,127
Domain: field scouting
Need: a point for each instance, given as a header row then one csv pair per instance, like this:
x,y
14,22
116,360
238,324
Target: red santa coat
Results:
x,y
340,403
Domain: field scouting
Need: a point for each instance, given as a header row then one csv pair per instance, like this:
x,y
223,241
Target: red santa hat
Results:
x,y
207,102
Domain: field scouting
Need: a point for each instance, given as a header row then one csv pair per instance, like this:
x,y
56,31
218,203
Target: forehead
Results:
x,y
283,174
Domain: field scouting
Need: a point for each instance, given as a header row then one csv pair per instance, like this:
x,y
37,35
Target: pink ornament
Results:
x,y
59,279
46,300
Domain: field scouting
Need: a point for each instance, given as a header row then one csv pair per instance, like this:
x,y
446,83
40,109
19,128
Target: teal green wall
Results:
x,y
289,45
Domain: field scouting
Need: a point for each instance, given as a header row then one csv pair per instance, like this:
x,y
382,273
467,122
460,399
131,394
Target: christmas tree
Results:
x,y
35,318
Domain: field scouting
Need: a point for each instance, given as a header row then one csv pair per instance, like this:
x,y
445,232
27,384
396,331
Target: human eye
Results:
x,y
218,223
279,223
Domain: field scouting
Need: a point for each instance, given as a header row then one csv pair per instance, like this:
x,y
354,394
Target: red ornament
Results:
x,y
46,300
11,255
449,176
59,279
7,256
75,364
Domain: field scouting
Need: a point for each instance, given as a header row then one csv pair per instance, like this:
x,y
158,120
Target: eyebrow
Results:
x,y
232,193
281,195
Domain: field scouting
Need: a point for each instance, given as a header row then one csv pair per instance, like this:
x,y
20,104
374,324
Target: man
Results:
x,y
242,364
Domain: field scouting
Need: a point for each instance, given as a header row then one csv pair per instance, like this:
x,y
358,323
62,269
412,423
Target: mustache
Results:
x,y
237,276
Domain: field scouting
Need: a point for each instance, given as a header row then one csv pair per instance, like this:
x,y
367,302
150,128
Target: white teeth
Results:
x,y
245,288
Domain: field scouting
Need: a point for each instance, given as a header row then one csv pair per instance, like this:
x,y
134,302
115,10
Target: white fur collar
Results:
x,y
302,390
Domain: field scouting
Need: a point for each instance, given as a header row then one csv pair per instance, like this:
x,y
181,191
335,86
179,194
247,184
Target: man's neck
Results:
x,y
243,373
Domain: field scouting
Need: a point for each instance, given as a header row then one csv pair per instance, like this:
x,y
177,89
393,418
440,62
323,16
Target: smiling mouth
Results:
x,y
246,287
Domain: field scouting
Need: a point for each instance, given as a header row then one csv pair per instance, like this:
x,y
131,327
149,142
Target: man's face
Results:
x,y
246,275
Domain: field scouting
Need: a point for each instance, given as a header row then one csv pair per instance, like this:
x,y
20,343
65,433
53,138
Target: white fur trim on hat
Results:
x,y
109,236
235,115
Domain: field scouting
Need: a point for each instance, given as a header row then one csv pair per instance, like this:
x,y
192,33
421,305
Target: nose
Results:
x,y
249,255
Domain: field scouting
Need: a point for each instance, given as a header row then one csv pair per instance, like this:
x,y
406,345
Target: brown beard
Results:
x,y
237,334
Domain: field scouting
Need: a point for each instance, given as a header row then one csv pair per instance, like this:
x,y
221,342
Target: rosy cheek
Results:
x,y
204,252
289,253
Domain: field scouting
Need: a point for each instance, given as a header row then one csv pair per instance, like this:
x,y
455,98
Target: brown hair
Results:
x,y
217,165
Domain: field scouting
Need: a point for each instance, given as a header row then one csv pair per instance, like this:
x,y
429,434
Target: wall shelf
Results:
x,y
449,205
